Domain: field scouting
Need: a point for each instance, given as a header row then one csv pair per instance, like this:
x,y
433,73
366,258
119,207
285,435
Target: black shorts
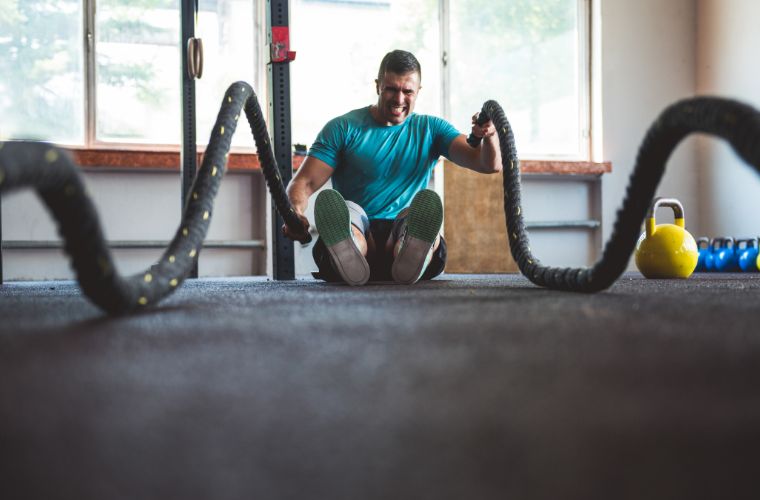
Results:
x,y
379,258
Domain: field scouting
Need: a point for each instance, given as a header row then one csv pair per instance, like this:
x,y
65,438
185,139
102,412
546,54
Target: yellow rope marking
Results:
x,y
518,211
192,253
222,130
530,261
229,98
236,117
195,196
51,155
148,277
514,236
214,171
142,301
205,215
184,231
173,282
172,259
511,165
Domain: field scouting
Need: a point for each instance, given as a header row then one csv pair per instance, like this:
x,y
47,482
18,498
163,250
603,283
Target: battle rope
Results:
x,y
737,123
57,181
55,177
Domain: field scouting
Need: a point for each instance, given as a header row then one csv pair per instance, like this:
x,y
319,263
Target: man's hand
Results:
x,y
300,234
483,131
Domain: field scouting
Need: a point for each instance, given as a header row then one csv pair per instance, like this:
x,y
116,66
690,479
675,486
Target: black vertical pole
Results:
x,y
278,80
188,158
1,240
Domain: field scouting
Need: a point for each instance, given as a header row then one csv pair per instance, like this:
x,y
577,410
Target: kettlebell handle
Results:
x,y
665,202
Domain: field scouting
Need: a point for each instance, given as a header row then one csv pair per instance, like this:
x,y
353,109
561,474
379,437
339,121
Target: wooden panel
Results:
x,y
474,223
127,159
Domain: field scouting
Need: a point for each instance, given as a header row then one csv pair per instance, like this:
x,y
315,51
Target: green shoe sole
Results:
x,y
423,224
331,217
334,226
425,216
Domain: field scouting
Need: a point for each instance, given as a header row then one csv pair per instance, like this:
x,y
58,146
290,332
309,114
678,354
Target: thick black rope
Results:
x,y
737,123
51,172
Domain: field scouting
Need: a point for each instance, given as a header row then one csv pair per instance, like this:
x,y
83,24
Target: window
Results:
x,y
528,55
122,83
42,63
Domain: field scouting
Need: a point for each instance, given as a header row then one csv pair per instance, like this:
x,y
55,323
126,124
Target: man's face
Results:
x,y
396,97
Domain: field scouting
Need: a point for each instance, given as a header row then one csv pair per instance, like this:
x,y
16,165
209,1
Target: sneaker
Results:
x,y
421,228
334,226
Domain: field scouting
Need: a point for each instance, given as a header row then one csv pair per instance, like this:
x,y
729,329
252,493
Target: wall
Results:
x,y
648,60
138,206
727,43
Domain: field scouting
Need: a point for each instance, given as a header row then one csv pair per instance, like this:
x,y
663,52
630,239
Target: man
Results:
x,y
379,222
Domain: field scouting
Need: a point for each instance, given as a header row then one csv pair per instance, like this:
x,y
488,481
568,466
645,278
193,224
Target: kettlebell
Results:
x,y
725,257
704,252
748,255
710,259
666,250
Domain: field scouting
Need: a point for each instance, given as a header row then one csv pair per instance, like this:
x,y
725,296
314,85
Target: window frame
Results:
x,y
89,45
91,142
583,9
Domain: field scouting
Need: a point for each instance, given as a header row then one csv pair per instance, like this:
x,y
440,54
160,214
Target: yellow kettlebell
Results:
x,y
666,250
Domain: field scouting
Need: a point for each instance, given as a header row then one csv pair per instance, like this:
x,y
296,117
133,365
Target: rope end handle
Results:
x,y
473,140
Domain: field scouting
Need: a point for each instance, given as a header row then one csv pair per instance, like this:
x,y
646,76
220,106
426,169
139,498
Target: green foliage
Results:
x,y
42,89
518,23
42,61
519,52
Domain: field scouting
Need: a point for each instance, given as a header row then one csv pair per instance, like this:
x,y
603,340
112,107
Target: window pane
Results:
x,y
524,54
41,89
340,45
228,34
137,68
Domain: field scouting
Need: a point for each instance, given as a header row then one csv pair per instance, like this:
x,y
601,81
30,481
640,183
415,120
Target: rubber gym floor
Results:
x,y
466,387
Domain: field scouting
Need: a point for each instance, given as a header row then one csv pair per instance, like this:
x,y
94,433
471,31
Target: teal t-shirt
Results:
x,y
379,167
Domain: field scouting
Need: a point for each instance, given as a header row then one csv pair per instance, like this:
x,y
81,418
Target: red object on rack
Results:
x,y
280,47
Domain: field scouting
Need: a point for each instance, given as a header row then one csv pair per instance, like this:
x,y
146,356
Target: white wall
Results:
x,y
648,61
727,48
138,206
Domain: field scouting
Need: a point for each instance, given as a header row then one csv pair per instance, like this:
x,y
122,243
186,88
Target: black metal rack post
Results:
x,y
188,160
1,240
278,81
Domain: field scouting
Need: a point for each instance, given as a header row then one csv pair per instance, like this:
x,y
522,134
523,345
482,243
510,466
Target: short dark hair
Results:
x,y
400,62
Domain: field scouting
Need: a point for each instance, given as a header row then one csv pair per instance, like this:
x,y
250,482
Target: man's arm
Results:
x,y
312,175
486,158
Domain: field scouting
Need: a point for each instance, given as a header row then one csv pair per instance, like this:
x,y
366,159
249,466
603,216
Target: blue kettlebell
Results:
x,y
748,254
703,253
712,249
725,256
